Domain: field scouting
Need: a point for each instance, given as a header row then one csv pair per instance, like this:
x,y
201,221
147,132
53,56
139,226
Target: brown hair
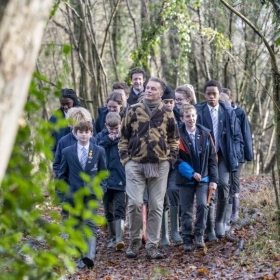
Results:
x,y
83,126
185,108
228,92
138,70
121,85
116,97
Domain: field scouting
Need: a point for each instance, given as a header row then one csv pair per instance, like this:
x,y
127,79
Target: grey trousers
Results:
x,y
156,187
187,194
223,184
80,220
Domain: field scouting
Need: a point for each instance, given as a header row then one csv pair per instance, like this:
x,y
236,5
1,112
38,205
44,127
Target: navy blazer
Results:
x,y
101,119
70,167
65,141
116,180
246,133
202,159
230,137
133,97
57,135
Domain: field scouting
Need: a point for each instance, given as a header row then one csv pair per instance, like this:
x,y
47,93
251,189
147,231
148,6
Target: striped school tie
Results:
x,y
83,159
214,115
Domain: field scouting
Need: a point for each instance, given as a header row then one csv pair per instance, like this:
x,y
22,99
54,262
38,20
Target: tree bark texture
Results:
x,y
21,30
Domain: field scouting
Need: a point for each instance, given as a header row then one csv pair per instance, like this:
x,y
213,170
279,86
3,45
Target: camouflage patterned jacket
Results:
x,y
147,138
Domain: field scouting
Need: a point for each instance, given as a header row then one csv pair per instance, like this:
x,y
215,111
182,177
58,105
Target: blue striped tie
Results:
x,y
83,158
214,115
193,140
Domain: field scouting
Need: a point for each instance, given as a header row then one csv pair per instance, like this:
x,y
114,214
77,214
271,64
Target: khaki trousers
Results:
x,y
135,187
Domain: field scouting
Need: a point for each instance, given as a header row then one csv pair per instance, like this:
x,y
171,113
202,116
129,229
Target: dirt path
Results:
x,y
219,261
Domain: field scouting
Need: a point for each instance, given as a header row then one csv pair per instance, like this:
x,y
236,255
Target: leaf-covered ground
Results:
x,y
260,258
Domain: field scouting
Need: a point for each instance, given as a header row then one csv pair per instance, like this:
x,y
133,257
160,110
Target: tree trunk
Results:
x,y
275,78
21,28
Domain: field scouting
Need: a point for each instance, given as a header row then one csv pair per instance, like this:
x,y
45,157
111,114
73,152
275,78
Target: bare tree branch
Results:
x,y
107,28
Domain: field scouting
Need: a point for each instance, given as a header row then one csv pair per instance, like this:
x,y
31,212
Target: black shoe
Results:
x,y
88,262
188,245
153,253
199,242
133,248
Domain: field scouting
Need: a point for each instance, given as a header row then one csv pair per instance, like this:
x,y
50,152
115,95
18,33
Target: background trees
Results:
x,y
89,45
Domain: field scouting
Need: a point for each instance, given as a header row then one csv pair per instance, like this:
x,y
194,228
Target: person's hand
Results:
x,y
213,186
197,177
112,136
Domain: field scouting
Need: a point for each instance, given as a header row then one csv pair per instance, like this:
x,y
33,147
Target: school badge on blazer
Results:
x,y
90,156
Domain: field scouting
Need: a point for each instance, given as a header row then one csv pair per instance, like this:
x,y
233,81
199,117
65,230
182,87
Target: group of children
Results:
x,y
195,175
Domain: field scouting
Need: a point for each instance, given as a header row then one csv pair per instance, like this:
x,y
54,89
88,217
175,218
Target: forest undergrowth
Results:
x,y
251,249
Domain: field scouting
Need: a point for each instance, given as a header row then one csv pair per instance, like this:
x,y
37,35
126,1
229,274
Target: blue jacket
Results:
x,y
65,141
57,135
116,179
246,134
202,159
70,167
230,137
101,118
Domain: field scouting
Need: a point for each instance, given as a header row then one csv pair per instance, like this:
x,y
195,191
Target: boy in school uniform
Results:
x,y
89,158
75,115
114,199
172,201
197,174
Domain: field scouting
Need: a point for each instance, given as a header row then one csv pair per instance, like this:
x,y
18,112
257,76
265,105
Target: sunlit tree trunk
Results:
x,y
21,28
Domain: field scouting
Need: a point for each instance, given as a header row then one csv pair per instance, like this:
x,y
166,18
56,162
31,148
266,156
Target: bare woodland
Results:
x,y
179,41
88,45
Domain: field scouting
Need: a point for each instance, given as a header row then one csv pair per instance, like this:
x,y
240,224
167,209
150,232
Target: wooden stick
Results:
x,y
210,192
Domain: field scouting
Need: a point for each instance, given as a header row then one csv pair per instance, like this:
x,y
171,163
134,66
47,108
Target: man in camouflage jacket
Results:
x,y
148,146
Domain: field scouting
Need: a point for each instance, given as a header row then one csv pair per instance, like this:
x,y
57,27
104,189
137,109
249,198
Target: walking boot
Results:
x,y
133,248
227,217
235,208
210,230
112,234
164,230
188,244
144,219
153,253
220,218
174,221
199,242
88,259
119,244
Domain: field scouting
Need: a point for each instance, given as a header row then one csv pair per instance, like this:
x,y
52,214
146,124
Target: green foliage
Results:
x,y
31,243
172,15
217,38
